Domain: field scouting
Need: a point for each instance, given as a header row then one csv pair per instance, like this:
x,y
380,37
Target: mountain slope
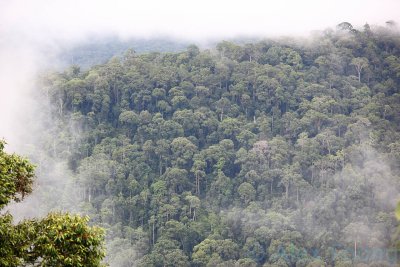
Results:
x,y
274,153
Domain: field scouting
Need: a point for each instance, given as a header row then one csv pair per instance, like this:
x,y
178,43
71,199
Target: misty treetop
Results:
x,y
276,153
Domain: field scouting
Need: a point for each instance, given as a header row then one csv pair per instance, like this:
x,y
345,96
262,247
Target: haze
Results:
x,y
46,20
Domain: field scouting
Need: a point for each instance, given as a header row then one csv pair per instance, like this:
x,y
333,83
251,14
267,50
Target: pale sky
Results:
x,y
46,20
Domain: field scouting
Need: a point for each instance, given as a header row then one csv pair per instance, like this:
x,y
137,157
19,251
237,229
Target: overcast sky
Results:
x,y
46,20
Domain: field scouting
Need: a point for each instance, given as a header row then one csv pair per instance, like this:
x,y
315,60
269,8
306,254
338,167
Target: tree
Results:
x,y
182,151
194,203
57,240
221,190
177,179
274,145
16,176
290,176
166,253
204,252
359,63
62,240
345,26
129,117
198,168
246,192
355,232
254,250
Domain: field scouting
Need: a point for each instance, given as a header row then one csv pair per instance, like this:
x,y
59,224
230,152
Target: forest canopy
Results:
x,y
274,153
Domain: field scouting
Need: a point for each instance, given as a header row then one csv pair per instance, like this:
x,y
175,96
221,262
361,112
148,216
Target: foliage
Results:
x,y
276,153
56,240
16,177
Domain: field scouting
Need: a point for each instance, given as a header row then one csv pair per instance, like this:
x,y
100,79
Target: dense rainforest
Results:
x,y
275,153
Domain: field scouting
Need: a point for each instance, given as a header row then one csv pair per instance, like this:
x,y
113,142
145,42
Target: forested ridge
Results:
x,y
276,153
98,50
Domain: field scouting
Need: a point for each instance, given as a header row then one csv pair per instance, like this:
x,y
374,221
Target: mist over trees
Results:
x,y
273,153
99,50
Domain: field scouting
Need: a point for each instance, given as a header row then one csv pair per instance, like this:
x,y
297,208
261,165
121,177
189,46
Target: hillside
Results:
x,y
275,153
98,50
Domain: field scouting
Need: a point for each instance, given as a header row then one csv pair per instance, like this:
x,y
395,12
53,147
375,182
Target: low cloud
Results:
x,y
64,21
